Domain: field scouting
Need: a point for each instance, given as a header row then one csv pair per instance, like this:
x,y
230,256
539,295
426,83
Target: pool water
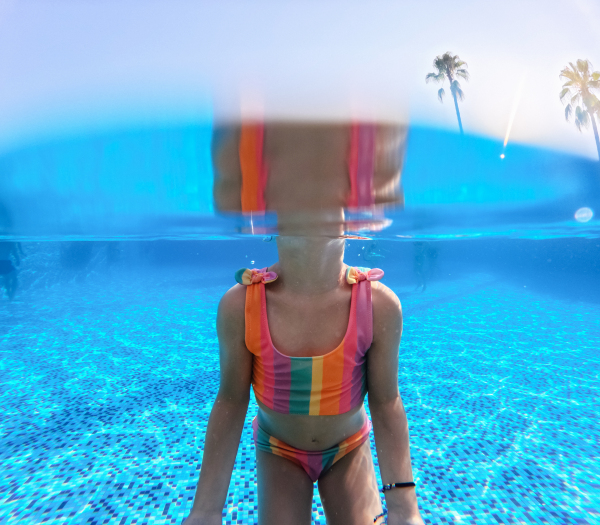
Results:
x,y
108,378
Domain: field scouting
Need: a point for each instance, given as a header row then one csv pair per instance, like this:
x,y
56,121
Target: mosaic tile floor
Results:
x,y
106,388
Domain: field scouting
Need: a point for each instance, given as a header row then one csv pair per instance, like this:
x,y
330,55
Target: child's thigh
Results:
x,y
285,491
349,491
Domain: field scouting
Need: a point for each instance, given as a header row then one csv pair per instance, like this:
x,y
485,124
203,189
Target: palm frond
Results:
x,y
568,112
571,74
584,66
441,94
462,73
455,89
564,93
592,103
582,119
589,100
436,77
438,63
575,98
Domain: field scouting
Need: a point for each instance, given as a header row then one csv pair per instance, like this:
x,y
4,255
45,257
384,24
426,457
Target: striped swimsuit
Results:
x,y
317,386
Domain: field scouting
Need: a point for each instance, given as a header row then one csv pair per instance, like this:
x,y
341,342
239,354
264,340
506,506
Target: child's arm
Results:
x,y
389,418
228,413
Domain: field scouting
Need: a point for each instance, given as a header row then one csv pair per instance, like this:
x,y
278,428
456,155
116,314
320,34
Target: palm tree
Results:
x,y
449,67
579,88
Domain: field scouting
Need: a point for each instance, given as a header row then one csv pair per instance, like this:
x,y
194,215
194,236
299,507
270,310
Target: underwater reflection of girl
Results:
x,y
372,251
312,336
8,273
425,259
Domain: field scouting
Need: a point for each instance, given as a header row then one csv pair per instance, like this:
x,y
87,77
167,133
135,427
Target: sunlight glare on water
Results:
x,y
584,214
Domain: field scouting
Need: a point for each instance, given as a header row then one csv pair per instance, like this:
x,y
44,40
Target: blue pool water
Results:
x,y
108,376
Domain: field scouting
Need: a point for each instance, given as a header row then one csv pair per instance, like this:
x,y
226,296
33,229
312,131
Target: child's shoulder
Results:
x,y
385,301
233,303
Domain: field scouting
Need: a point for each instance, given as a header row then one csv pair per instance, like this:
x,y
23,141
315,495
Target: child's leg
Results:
x,y
285,491
349,490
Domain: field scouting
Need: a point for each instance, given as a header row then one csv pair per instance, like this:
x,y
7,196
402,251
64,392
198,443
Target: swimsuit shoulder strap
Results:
x,y
362,309
253,318
255,309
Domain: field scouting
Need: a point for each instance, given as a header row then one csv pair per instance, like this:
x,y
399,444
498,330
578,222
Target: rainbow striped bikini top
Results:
x,y
325,385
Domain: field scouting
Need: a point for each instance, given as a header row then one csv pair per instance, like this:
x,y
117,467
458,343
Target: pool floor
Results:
x,y
106,388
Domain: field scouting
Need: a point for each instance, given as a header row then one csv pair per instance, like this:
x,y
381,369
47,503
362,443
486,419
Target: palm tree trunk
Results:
x,y
460,121
595,133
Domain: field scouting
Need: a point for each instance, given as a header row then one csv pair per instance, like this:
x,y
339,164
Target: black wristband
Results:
x,y
398,485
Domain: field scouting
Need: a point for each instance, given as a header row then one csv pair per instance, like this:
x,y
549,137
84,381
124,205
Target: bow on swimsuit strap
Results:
x,y
247,276
355,274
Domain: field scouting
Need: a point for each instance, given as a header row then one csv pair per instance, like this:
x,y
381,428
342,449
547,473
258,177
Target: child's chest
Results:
x,y
302,328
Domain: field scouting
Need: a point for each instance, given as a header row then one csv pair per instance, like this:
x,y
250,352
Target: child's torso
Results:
x,y
308,326
309,359
321,374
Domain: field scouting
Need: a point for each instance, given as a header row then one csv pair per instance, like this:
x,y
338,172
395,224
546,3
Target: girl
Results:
x,y
312,336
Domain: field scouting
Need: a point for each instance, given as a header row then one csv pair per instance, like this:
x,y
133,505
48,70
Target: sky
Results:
x,y
70,67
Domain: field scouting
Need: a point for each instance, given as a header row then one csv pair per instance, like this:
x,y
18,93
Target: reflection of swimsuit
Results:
x,y
361,167
6,267
330,384
254,171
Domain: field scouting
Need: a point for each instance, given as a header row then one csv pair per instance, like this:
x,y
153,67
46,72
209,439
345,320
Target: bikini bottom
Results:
x,y
314,463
